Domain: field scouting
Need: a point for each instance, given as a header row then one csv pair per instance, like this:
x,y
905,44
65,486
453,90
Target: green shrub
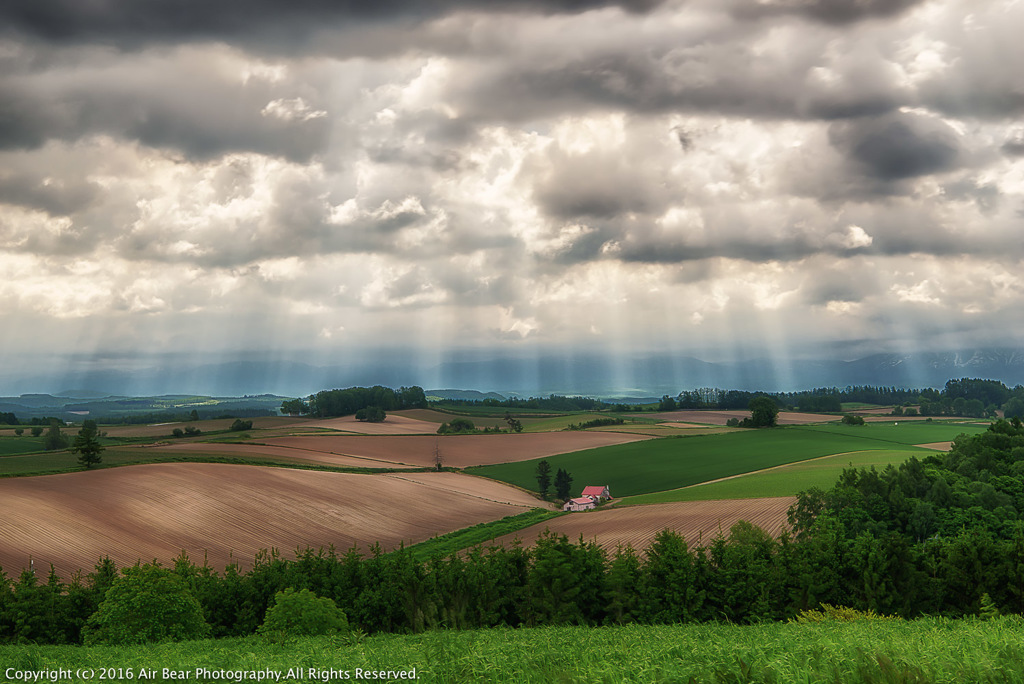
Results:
x,y
147,603
302,613
830,613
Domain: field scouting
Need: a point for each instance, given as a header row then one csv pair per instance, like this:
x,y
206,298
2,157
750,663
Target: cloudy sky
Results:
x,y
315,178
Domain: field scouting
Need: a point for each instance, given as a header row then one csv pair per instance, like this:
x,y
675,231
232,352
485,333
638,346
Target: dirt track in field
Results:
x,y
698,521
720,417
225,511
458,451
938,446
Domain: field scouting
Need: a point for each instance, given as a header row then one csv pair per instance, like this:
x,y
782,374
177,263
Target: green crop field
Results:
x,y
51,463
932,650
670,463
902,432
789,480
860,406
558,422
20,445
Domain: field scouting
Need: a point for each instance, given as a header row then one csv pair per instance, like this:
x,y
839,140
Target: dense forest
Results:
x,y
941,536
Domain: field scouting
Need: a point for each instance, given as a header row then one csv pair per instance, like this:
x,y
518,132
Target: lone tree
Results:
x,y
763,412
86,445
543,478
563,484
54,439
514,424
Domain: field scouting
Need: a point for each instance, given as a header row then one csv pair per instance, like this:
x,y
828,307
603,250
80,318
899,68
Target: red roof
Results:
x,y
594,490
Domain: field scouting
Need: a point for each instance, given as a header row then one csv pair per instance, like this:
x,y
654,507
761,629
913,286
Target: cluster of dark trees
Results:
x,y
9,419
346,402
563,482
969,397
973,398
596,422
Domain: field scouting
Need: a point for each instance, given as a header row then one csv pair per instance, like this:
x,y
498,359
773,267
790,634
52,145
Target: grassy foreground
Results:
x,y
926,650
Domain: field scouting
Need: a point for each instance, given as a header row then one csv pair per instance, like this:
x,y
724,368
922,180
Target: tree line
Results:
x,y
346,402
967,397
553,402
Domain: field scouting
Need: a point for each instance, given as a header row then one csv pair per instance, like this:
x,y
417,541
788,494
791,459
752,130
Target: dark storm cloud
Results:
x,y
1014,147
600,184
828,11
131,23
55,197
726,76
162,101
897,147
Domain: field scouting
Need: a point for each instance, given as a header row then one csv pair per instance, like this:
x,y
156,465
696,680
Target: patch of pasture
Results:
x,y
717,417
786,480
899,431
20,445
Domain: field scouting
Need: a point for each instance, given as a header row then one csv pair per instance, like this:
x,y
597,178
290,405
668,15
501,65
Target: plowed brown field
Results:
x,y
394,424
458,451
720,417
225,511
697,521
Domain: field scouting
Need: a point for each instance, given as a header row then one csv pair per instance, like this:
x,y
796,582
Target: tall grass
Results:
x,y
926,650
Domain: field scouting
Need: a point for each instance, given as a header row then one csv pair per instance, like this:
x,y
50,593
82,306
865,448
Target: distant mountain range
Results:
x,y
552,373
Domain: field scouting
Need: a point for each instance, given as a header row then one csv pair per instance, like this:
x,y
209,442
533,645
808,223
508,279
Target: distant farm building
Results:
x,y
598,493
584,503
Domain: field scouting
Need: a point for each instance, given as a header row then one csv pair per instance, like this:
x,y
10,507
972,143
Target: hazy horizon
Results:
x,y
409,185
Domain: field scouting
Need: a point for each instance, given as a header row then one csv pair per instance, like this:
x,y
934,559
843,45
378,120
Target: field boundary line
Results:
x,y
454,491
329,453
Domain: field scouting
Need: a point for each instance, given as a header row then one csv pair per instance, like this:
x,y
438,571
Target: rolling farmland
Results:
x,y
644,467
230,512
457,451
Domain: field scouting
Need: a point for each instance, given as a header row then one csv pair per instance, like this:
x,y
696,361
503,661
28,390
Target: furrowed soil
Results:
x,y
698,521
394,424
229,513
457,451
